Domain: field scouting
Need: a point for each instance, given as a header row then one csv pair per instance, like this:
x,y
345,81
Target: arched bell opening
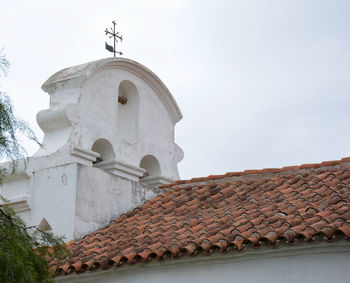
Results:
x,y
153,175
151,165
128,104
104,148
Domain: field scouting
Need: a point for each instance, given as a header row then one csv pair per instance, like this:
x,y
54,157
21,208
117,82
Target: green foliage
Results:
x,y
24,250
10,125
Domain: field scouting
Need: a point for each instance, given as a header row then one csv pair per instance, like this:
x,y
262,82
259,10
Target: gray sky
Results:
x,y
260,83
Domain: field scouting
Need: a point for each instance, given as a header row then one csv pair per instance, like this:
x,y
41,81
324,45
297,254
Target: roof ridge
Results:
x,y
259,171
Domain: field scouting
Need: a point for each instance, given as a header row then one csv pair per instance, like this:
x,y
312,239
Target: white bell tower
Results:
x,y
113,114
108,143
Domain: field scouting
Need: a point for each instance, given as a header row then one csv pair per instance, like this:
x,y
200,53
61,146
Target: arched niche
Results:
x,y
151,165
105,149
128,106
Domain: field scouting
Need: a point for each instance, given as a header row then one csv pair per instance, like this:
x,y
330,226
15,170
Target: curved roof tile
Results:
x,y
223,213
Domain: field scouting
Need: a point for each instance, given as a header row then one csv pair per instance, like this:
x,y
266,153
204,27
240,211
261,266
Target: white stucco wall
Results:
x,y
321,263
16,188
75,199
54,197
84,108
62,181
102,197
50,193
154,126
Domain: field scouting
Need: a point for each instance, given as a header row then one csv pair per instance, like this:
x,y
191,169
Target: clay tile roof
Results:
x,y
224,213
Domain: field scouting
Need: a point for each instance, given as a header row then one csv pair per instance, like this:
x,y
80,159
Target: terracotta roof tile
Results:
x,y
223,212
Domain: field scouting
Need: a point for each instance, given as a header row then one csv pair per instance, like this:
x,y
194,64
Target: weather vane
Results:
x,y
116,36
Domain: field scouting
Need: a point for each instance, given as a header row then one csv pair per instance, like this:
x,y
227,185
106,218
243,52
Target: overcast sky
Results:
x,y
260,83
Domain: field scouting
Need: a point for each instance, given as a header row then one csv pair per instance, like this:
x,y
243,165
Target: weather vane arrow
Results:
x,y
111,33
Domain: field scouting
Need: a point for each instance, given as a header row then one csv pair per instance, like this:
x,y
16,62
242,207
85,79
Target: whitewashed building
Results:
x,y
105,177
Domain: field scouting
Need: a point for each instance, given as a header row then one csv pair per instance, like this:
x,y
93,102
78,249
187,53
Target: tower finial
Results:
x,y
115,36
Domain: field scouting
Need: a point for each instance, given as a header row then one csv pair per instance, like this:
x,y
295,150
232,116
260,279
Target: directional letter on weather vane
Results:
x,y
116,36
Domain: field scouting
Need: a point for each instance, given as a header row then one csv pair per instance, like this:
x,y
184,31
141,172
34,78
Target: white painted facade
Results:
x,y
132,142
304,263
101,158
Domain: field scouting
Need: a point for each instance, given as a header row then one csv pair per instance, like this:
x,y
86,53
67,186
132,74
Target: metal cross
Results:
x,y
116,36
